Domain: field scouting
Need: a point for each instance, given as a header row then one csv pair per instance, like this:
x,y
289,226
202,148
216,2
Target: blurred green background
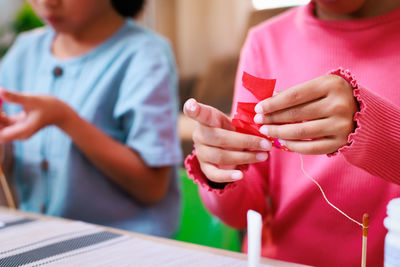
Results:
x,y
198,225
26,20
23,20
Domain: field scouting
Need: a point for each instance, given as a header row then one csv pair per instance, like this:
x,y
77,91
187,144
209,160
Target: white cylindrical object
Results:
x,y
392,240
254,226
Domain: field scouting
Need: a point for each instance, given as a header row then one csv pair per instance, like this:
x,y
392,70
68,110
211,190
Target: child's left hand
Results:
x,y
38,111
315,117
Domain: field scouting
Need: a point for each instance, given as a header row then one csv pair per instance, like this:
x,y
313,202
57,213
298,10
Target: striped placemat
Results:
x,y
30,242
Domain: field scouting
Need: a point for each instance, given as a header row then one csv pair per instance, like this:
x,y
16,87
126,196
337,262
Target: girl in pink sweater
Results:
x,y
348,130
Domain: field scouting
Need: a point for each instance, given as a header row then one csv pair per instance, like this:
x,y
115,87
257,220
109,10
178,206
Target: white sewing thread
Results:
x,y
326,199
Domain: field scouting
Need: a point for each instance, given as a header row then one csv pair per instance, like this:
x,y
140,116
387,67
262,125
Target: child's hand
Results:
x,y
316,117
219,148
38,112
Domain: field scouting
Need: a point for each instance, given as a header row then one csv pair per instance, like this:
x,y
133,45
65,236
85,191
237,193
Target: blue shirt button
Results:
x,y
43,208
44,165
57,72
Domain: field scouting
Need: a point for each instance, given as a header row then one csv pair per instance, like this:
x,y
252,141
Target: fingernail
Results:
x,y
264,130
262,156
237,175
282,142
266,145
258,118
258,109
191,105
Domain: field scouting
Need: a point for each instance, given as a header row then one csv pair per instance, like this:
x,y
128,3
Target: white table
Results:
x,y
32,240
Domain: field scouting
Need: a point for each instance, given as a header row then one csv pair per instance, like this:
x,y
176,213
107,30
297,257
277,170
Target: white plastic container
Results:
x,y
392,240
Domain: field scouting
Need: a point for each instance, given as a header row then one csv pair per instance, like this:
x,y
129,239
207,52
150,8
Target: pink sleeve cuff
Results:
x,y
348,77
195,173
374,145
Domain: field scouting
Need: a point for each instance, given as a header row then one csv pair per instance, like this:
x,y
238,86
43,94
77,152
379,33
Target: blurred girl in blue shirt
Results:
x,y
91,109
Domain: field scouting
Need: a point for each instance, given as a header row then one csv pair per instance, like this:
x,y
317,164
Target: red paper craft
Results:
x,y
245,111
246,107
260,88
244,127
243,119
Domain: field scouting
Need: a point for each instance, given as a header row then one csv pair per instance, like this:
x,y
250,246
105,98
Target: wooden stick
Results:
x,y
7,190
364,240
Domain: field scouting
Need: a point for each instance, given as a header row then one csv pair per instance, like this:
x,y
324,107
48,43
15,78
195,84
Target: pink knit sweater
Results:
x,y
299,226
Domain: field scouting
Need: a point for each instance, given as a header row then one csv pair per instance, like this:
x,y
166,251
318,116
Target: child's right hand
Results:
x,y
219,148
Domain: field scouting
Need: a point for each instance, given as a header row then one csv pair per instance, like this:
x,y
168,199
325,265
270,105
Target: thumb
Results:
x,y
14,97
207,115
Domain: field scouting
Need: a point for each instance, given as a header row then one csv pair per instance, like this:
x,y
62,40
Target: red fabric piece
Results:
x,y
246,107
260,88
243,119
244,127
245,111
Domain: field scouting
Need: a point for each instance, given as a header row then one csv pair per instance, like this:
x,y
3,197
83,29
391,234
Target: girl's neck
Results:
x,y
371,8
66,45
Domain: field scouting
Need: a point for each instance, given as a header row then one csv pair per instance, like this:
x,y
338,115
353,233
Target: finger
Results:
x,y
298,131
305,112
314,147
218,156
14,97
222,138
207,115
220,175
4,120
293,96
17,117
18,131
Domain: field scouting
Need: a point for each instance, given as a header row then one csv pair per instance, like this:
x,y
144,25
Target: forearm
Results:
x,y
375,143
117,161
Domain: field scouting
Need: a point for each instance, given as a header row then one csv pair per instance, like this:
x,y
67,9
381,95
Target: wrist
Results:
x,y
66,118
347,76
